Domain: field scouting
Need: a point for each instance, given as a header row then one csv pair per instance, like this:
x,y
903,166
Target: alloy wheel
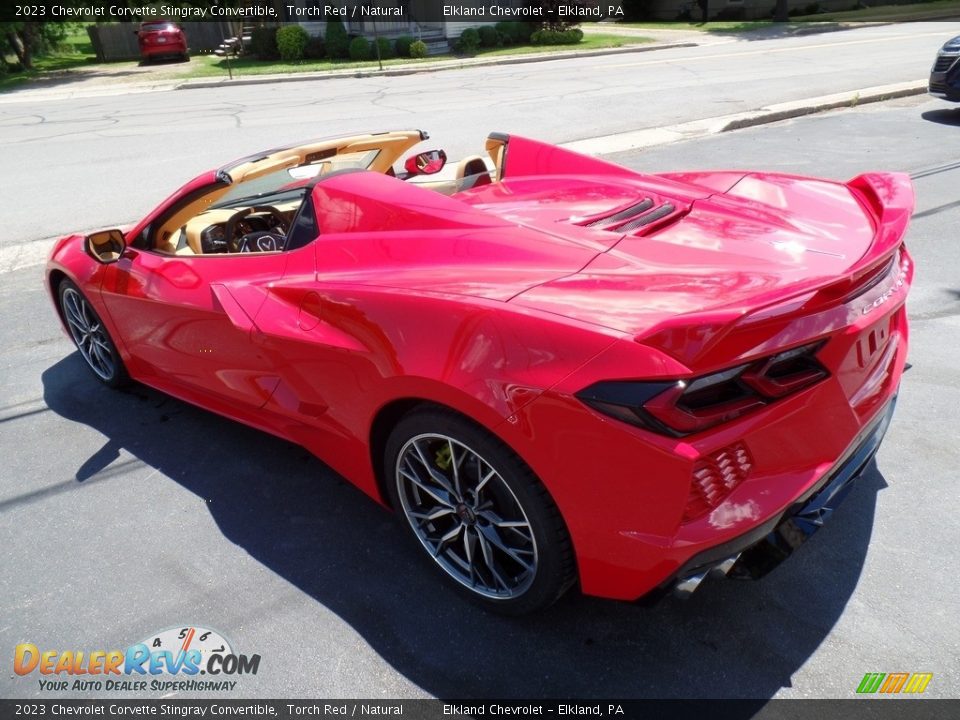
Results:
x,y
466,516
89,334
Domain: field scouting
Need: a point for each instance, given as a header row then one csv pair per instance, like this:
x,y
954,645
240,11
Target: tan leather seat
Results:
x,y
472,172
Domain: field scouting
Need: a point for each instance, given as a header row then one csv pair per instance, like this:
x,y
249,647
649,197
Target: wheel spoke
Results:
x,y
100,356
469,547
521,528
448,538
85,312
74,314
435,475
435,514
454,463
488,560
436,494
489,534
485,479
100,342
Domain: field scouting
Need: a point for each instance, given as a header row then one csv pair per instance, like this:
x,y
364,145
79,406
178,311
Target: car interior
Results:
x,y
258,205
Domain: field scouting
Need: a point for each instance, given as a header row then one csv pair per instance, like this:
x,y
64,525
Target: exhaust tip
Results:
x,y
684,587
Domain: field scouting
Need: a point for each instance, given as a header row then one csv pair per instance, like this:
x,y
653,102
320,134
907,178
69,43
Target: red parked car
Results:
x,y
557,370
162,38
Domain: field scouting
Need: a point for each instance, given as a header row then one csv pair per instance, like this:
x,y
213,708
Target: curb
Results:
x,y
402,70
785,111
651,137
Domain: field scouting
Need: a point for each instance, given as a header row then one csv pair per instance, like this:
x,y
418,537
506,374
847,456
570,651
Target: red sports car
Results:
x,y
162,38
558,371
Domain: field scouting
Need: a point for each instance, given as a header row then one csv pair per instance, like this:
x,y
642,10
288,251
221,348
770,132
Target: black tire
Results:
x,y
522,558
90,336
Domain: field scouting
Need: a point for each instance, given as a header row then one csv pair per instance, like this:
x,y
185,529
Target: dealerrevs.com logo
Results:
x,y
166,661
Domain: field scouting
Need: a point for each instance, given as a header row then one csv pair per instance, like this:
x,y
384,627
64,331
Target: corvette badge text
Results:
x,y
154,664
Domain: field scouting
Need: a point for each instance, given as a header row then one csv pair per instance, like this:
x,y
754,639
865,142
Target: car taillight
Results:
x,y
684,407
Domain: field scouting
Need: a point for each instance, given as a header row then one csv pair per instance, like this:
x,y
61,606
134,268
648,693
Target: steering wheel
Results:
x,y
261,239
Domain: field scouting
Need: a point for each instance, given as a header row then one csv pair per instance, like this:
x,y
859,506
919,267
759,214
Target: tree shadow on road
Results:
x,y
749,30
312,528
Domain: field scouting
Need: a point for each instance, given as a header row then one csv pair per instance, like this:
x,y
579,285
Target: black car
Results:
x,y
945,76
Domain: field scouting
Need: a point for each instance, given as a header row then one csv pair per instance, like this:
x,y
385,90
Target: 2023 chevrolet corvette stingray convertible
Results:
x,y
558,371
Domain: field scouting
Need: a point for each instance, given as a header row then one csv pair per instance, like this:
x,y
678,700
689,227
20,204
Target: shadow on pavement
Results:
x,y
58,78
748,30
943,116
312,528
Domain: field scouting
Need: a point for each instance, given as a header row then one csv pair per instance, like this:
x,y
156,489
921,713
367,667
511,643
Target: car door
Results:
x,y
184,328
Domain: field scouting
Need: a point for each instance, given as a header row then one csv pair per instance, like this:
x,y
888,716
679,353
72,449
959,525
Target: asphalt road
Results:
x,y
124,513
79,163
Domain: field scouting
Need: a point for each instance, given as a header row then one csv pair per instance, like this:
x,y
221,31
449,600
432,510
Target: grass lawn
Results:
x,y
206,66
75,51
717,26
893,13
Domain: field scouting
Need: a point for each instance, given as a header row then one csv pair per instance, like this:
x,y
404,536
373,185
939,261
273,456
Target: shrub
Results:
x,y
469,41
489,37
386,48
292,41
316,50
263,42
336,40
503,29
402,45
360,49
418,49
513,32
570,36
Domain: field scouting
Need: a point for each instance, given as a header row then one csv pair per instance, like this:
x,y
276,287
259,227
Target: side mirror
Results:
x,y
426,163
106,246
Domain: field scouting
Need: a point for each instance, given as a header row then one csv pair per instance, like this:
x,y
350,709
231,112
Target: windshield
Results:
x,y
288,183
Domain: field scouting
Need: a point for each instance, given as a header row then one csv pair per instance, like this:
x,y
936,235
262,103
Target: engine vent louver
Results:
x,y
629,212
646,218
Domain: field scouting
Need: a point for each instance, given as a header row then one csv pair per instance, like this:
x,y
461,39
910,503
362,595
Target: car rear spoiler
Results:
x,y
888,199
